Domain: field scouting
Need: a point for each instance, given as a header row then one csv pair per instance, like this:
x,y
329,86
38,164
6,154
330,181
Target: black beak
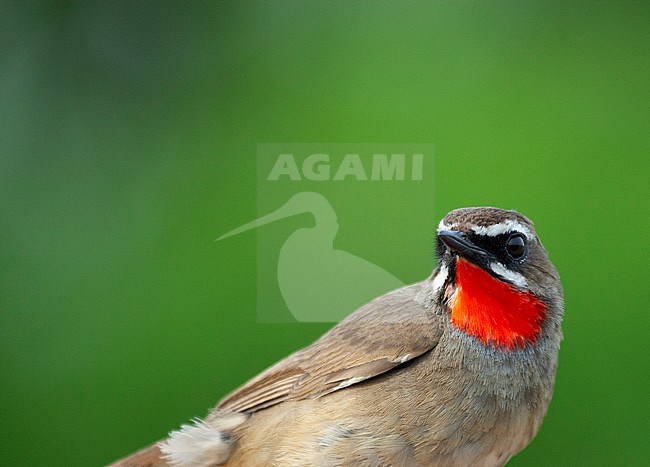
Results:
x,y
458,242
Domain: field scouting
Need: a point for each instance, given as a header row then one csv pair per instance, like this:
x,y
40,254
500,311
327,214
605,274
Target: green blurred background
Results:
x,y
128,136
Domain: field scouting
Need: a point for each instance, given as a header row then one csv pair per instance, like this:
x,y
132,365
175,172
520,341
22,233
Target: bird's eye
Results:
x,y
516,246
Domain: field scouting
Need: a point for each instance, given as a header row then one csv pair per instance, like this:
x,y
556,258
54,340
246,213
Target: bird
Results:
x,y
455,370
341,283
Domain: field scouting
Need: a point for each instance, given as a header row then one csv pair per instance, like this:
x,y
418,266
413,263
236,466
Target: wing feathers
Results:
x,y
380,336
266,388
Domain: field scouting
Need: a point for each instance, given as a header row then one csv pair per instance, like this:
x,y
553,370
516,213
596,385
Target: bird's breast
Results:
x,y
494,311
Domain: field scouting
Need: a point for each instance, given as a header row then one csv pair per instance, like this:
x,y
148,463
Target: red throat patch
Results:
x,y
494,311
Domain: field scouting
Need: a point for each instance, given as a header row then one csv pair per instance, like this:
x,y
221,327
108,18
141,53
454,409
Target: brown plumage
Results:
x,y
397,383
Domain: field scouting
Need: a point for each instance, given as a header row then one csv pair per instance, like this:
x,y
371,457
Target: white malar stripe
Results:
x,y
440,278
511,276
506,226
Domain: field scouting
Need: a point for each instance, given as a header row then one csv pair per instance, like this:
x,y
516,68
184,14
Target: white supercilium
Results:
x,y
506,226
443,226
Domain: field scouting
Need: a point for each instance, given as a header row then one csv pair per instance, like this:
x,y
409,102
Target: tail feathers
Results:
x,y
204,443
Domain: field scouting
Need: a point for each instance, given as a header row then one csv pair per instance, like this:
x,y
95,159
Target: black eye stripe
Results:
x,y
509,248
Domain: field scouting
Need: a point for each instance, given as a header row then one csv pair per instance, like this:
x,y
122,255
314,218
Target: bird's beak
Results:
x,y
458,242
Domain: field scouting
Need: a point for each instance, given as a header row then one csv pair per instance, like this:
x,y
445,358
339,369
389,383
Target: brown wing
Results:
x,y
381,335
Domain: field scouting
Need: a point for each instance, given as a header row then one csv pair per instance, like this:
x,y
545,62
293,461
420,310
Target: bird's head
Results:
x,y
495,276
